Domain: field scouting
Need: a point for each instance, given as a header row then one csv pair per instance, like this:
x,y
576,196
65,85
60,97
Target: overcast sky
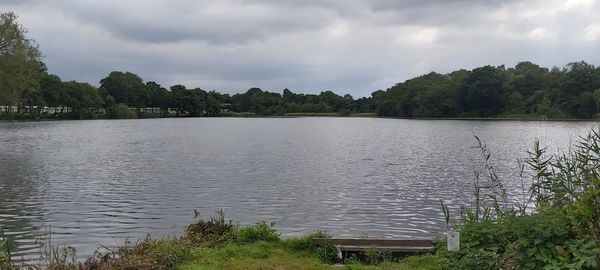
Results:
x,y
348,46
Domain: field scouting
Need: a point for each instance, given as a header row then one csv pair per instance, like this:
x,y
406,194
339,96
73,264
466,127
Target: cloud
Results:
x,y
540,33
592,32
350,46
423,35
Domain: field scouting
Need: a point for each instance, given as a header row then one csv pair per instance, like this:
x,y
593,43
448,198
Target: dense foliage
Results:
x,y
525,90
20,63
555,225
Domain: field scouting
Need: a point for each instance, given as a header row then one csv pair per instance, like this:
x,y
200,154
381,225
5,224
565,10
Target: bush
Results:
x,y
147,254
259,232
531,242
375,256
345,112
212,232
473,259
305,244
328,253
121,111
423,262
5,262
561,232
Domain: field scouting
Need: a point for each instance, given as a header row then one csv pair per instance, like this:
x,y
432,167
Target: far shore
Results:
x,y
27,118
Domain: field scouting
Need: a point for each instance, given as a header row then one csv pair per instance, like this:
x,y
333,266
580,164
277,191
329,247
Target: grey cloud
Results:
x,y
194,21
401,5
354,46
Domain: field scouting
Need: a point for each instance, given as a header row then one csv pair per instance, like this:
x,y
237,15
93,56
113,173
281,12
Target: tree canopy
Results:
x,y
488,91
20,64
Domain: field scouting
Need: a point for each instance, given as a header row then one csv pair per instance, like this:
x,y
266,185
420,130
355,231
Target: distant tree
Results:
x,y
81,97
482,93
191,102
158,96
528,78
588,107
51,90
127,88
213,102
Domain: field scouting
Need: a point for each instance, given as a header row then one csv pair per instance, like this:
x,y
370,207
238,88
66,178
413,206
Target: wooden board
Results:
x,y
391,245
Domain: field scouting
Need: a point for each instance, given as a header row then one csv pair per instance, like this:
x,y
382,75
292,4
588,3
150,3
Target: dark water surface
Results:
x,y
97,182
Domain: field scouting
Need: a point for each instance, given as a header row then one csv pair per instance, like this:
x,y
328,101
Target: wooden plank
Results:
x,y
374,242
399,249
391,245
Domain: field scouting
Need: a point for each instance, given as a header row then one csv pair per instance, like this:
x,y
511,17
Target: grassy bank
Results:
x,y
264,255
217,243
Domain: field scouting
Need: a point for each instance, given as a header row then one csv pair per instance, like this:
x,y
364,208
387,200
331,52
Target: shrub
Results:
x,y
473,259
121,111
561,232
328,253
375,256
424,262
305,244
147,253
5,262
259,232
212,232
529,241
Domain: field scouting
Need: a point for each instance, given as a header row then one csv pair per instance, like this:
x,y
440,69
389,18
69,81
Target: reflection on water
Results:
x,y
97,182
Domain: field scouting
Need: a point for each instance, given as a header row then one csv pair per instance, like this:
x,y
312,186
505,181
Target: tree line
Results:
x,y
126,90
526,90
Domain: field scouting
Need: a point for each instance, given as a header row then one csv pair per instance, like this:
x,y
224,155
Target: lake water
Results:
x,y
97,182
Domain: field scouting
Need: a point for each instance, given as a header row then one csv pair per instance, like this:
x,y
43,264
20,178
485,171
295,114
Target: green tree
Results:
x,y
126,88
51,90
20,65
158,97
191,102
588,107
81,97
482,93
528,78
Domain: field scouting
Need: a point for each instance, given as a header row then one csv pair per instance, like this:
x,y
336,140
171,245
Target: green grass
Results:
x,y
236,114
331,114
363,114
313,114
263,255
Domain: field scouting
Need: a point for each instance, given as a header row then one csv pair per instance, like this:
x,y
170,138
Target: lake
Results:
x,y
101,181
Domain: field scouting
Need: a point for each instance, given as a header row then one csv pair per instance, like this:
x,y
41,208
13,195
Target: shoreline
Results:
x,y
325,115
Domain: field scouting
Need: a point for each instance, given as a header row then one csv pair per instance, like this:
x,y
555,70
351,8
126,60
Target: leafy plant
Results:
x,y
259,232
213,231
328,253
5,261
305,244
374,256
554,224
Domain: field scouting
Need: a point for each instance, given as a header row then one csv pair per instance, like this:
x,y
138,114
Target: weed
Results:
x,y
259,232
374,256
